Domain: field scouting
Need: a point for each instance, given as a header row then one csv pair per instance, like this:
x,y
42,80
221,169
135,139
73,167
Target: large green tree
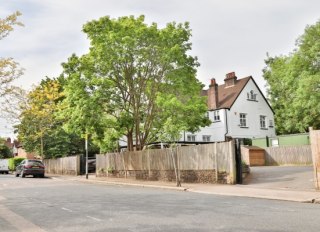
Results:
x,y
131,72
294,84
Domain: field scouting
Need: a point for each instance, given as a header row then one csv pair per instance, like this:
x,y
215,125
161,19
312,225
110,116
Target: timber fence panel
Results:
x,y
67,165
222,158
196,162
288,155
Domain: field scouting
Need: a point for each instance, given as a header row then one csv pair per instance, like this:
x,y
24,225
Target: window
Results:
x,y
191,138
251,96
206,138
243,120
263,122
216,115
270,123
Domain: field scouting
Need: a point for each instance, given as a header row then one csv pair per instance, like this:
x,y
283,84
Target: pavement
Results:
x,y
264,191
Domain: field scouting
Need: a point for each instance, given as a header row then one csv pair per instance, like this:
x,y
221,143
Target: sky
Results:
x,y
227,36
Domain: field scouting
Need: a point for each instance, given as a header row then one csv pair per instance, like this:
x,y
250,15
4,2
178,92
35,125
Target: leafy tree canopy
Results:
x,y
131,80
40,130
5,151
294,84
9,69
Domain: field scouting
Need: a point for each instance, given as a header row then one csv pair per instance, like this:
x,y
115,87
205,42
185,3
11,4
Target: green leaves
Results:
x,y
294,84
129,66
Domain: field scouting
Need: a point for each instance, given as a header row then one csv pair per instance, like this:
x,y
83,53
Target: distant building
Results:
x,y
17,149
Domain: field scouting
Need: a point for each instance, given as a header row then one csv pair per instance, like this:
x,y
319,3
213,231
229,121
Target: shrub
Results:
x,y
14,162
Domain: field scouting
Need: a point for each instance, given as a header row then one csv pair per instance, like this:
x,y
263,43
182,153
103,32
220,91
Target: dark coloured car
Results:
x,y
30,167
92,165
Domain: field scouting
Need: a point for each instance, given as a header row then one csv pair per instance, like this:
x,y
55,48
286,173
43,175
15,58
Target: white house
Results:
x,y
237,109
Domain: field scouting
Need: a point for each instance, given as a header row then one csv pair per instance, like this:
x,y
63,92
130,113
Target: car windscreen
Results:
x,y
35,162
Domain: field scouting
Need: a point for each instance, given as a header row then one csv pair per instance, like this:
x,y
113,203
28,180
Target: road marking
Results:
x,y
18,221
69,210
93,218
46,203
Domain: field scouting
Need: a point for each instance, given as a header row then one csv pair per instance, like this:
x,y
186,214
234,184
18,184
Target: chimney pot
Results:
x,y
230,75
213,82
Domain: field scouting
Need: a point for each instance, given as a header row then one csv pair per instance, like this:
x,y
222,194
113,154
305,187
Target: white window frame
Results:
x,y
271,123
252,96
243,120
216,116
191,138
263,120
206,138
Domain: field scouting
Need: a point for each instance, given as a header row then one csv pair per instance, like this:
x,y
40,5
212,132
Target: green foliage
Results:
x,y
9,69
14,162
40,130
5,152
134,77
294,84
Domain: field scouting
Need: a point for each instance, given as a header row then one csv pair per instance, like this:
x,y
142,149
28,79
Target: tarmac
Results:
x,y
252,191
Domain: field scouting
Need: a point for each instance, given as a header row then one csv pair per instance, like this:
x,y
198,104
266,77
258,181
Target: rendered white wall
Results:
x,y
253,109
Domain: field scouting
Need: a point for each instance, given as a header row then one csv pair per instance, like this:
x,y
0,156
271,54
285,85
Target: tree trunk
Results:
x,y
175,167
130,141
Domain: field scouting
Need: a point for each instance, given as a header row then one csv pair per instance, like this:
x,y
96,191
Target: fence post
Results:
x,y
148,156
315,148
216,162
232,171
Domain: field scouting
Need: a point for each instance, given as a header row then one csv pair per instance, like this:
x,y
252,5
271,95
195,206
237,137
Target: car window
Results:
x,y
35,162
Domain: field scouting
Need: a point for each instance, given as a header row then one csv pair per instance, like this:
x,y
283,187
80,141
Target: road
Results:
x,y
35,204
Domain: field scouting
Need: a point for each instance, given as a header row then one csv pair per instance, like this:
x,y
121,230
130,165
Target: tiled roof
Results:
x,y
227,95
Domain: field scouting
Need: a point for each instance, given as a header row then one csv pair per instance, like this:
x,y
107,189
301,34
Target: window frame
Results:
x,y
206,138
243,120
216,116
192,138
263,120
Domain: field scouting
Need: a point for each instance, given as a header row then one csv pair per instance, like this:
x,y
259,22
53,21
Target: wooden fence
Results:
x,y
64,166
315,145
208,163
288,155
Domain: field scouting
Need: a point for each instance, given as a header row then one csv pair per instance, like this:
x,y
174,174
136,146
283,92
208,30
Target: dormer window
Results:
x,y
251,96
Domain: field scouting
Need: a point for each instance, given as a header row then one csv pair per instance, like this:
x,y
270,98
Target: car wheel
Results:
x,y
42,175
16,174
22,175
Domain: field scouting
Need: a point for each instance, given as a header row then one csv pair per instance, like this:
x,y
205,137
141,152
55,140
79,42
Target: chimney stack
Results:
x,y
230,79
213,100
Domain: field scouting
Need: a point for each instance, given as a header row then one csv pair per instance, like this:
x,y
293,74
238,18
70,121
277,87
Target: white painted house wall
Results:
x,y
253,110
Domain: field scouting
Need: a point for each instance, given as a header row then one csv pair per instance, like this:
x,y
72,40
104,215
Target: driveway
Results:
x,y
281,177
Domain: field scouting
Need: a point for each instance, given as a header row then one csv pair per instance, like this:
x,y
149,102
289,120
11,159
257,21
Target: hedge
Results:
x,y
14,162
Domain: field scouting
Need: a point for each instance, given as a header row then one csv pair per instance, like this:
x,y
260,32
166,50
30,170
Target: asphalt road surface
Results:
x,y
35,204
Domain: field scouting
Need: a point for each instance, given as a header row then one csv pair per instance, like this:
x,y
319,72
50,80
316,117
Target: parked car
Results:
x,y
92,165
4,166
30,167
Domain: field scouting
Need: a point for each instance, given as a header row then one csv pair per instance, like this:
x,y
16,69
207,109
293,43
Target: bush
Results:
x,y
14,162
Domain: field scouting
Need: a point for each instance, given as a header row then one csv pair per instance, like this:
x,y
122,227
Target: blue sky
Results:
x,y
229,35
